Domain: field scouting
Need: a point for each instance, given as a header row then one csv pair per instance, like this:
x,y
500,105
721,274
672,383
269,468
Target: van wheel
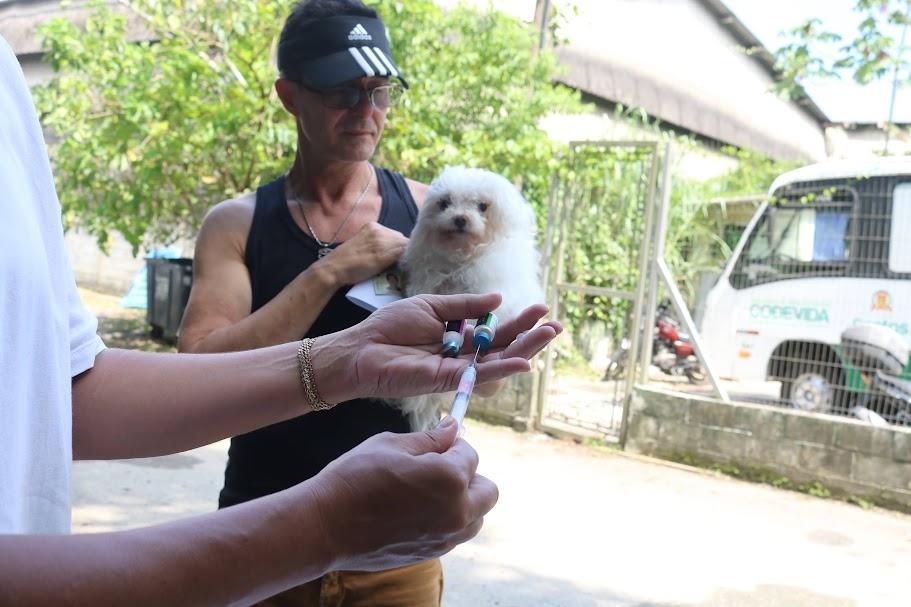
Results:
x,y
811,375
809,391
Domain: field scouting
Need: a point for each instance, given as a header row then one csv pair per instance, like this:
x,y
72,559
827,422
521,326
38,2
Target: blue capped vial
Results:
x,y
453,338
484,331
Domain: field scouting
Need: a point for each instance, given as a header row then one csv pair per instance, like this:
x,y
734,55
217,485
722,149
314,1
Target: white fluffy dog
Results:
x,y
474,234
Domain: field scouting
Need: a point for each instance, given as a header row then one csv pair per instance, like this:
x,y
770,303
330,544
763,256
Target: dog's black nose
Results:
x,y
460,222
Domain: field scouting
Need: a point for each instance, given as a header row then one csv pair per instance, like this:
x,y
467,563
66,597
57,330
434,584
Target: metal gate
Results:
x,y
599,240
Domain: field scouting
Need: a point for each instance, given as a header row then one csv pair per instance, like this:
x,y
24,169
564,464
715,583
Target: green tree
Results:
x,y
150,134
812,51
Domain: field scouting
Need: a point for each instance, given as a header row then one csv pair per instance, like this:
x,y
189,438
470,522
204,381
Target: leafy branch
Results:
x,y
813,52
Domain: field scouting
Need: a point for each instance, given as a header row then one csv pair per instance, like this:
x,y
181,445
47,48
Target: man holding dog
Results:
x,y
274,266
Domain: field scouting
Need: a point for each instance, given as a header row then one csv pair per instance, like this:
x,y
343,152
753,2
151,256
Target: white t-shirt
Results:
x,y
46,336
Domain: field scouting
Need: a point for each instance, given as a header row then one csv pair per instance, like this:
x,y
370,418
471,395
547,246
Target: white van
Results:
x,y
831,249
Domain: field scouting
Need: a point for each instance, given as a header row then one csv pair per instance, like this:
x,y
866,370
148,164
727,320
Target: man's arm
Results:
x,y
392,501
217,317
418,191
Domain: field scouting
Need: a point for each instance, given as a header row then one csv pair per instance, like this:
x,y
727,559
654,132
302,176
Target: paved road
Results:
x,y
576,527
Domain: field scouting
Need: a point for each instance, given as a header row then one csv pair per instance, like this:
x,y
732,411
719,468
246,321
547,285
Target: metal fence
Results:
x,y
596,253
814,307
812,310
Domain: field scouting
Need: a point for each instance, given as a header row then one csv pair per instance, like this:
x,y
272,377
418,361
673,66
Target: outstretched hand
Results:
x,y
396,351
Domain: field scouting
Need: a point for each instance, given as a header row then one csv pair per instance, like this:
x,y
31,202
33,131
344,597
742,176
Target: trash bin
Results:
x,y
169,282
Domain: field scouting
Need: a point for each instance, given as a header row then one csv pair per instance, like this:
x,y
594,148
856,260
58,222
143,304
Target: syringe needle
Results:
x,y
475,359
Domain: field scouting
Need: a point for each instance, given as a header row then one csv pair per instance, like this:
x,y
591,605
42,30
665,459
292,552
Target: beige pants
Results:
x,y
419,585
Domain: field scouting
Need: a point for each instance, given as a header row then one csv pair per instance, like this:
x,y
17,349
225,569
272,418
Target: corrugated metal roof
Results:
x,y
684,63
759,52
603,78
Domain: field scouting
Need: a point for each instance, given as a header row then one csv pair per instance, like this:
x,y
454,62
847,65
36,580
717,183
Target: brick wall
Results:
x,y
843,454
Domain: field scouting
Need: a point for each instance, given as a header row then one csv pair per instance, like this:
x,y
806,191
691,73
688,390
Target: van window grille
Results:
x,y
836,228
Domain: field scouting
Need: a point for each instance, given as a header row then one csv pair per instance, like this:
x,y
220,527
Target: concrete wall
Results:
x,y
511,406
110,272
844,455
700,161
21,19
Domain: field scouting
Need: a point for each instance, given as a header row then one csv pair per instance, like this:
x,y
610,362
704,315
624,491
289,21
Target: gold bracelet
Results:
x,y
305,368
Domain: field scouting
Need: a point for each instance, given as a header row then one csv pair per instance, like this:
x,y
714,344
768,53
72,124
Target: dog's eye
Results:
x,y
482,206
444,203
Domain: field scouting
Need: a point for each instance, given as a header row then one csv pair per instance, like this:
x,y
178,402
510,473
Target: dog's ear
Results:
x,y
521,211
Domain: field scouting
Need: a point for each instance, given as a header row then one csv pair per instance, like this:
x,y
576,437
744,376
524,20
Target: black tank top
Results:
x,y
279,456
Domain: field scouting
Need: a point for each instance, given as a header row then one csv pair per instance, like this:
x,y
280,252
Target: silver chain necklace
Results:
x,y
326,247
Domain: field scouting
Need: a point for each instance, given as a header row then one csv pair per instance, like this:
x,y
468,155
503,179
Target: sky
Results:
x,y
841,100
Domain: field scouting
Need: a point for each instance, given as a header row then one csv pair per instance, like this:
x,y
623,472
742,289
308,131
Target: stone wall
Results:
x,y
845,455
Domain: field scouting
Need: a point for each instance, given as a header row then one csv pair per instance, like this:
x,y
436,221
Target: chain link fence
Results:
x,y
802,295
811,311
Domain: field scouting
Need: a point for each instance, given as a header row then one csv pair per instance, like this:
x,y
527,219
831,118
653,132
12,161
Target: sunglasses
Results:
x,y
382,97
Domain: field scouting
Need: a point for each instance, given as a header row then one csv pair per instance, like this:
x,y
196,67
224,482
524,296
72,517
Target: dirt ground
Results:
x,y
120,327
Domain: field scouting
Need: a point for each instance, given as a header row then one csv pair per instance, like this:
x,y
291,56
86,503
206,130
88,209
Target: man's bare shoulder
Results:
x,y
226,226
233,215
418,191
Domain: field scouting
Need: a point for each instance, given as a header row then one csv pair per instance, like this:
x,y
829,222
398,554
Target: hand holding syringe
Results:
x,y
484,332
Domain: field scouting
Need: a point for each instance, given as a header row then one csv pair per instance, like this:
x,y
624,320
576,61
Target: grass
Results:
x,y
600,445
777,480
570,361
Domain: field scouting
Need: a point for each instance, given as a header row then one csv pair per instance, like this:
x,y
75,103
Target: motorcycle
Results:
x,y
672,351
879,354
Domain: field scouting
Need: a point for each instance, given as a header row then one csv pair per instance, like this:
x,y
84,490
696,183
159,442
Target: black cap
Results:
x,y
334,50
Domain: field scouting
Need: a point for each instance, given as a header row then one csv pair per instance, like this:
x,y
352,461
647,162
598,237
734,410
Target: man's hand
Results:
x,y
401,498
396,351
370,251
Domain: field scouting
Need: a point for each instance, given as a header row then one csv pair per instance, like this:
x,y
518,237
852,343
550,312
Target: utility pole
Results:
x,y
542,18
898,56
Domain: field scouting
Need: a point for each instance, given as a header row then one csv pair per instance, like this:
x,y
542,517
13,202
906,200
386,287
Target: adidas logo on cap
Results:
x,y
359,33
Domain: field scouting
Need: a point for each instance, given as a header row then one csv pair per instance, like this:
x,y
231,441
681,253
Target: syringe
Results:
x,y
463,394
484,331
